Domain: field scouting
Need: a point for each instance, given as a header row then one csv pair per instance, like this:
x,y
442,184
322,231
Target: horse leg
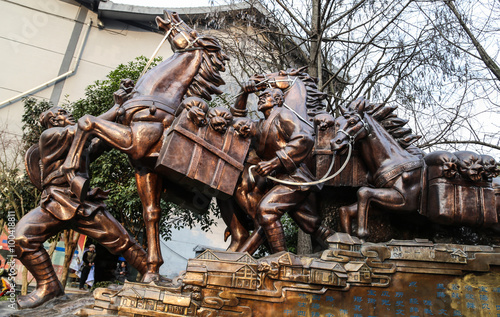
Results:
x,y
255,240
231,215
385,197
149,187
346,215
117,135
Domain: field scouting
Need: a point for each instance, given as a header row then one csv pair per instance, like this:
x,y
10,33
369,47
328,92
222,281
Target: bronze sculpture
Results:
x,y
447,188
282,144
137,126
163,116
145,129
304,100
59,209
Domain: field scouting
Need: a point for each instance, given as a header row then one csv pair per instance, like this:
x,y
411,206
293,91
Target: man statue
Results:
x,y
282,144
59,209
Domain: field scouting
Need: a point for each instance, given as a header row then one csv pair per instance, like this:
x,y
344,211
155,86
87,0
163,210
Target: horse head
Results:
x,y
180,35
194,69
283,79
350,126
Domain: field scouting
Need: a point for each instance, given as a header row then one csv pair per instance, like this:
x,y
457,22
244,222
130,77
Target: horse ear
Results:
x,y
360,108
358,105
342,109
162,24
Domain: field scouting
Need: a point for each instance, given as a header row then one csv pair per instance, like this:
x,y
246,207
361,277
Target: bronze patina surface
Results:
x,y
59,209
137,124
259,170
350,278
448,188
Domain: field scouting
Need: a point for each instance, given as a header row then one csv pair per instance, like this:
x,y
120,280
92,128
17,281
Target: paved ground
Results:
x,y
59,307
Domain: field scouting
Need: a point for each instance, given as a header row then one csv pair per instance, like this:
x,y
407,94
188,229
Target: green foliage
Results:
x,y
32,129
99,95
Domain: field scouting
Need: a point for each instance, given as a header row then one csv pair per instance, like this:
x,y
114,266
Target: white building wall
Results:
x,y
35,36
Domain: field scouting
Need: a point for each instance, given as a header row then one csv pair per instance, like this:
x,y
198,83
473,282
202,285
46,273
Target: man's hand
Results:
x,y
122,94
249,87
267,167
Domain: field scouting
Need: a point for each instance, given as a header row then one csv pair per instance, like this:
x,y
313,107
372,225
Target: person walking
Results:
x,y
88,262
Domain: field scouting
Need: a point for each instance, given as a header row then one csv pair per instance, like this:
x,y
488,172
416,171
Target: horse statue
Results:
x,y
140,122
448,188
137,127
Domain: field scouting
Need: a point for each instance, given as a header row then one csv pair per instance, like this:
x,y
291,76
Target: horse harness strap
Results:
x,y
151,102
352,138
382,178
188,49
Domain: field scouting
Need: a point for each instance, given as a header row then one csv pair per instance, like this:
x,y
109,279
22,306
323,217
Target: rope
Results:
x,y
322,180
154,53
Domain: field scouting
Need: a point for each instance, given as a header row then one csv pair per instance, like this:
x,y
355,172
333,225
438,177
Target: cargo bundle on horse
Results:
x,y
452,189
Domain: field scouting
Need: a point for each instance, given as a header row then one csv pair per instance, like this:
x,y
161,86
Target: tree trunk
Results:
x,y
70,242
304,244
24,282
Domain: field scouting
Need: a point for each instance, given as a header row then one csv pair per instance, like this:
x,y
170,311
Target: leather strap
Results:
x,y
148,101
380,179
200,141
228,140
196,156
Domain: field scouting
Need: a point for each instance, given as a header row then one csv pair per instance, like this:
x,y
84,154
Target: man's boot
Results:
x,y
275,237
47,284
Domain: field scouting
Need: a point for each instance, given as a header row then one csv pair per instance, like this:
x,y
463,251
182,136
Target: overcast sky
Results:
x,y
168,3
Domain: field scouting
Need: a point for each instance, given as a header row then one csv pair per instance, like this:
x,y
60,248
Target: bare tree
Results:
x,y
434,59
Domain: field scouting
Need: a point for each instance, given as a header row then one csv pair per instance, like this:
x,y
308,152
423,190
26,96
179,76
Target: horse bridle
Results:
x,y
352,138
175,26
287,80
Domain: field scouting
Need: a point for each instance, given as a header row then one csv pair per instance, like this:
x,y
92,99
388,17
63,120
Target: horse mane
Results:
x,y
395,126
315,97
208,79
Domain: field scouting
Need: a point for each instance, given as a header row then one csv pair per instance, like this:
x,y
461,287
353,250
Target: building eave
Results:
x,y
126,12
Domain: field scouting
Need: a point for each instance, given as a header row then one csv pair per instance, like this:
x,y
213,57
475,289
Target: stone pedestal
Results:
x,y
351,278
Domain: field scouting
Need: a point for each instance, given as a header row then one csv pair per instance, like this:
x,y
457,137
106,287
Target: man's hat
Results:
x,y
92,246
